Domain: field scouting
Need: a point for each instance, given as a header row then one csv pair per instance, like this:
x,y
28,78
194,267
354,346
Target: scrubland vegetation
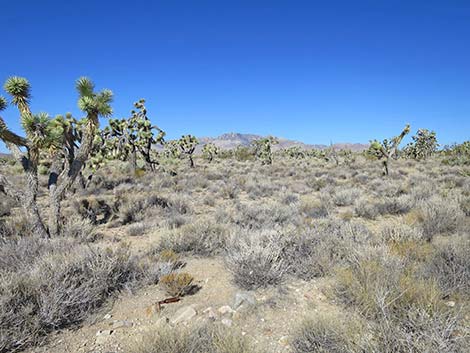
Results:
x,y
387,248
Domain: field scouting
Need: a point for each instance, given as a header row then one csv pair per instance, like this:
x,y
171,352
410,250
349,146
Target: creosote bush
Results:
x,y
51,284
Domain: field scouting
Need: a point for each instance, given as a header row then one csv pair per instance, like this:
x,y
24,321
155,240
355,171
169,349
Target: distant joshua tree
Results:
x,y
387,149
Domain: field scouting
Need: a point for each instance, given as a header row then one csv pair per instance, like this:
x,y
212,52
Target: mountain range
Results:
x,y
232,140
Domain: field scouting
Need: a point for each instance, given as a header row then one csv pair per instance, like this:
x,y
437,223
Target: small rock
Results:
x,y
107,316
184,315
284,341
226,310
227,322
450,304
211,314
243,298
121,323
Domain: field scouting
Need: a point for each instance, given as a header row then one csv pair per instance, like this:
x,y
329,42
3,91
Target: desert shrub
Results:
x,y
203,237
397,231
420,331
316,207
449,265
266,215
256,259
345,197
316,252
79,228
440,216
177,284
137,229
366,209
394,205
6,205
50,284
132,209
323,334
379,284
209,338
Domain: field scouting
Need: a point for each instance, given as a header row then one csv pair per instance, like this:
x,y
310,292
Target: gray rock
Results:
x,y
211,314
227,322
184,315
121,323
246,298
224,310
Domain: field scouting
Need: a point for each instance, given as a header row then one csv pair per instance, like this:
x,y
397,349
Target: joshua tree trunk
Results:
x,y
65,180
133,161
191,161
385,163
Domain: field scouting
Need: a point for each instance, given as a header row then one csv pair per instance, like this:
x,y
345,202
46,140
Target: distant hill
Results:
x,y
5,155
232,140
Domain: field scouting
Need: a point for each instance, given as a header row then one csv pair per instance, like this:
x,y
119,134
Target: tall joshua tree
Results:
x,y
387,149
127,138
67,142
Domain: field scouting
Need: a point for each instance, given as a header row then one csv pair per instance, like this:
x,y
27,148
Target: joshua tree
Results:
x,y
57,138
209,151
187,144
423,146
126,138
295,152
387,149
263,149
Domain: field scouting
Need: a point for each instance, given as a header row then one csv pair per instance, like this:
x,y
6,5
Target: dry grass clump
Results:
x,y
265,215
209,338
346,196
440,216
177,284
316,251
256,258
6,205
449,265
326,334
407,311
50,284
202,237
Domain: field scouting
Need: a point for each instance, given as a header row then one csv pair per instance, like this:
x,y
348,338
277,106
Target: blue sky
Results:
x,y
315,71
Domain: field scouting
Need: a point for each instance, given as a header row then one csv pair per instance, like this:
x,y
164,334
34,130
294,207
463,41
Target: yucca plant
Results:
x,y
66,141
387,149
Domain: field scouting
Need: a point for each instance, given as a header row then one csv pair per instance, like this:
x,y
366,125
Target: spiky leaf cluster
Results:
x,y
423,146
3,103
388,148
263,149
295,152
187,144
19,89
172,150
94,104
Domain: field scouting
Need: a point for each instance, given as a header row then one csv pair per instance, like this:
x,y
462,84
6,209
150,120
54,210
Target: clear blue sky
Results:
x,y
315,71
